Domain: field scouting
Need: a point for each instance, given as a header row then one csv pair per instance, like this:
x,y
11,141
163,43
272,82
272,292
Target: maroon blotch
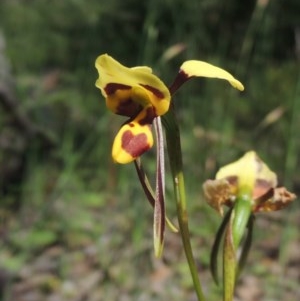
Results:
x,y
155,91
150,115
180,79
111,88
135,145
128,108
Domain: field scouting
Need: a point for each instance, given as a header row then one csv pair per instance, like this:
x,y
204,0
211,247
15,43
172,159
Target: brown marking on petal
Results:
x,y
280,199
233,180
261,187
150,115
262,198
111,88
131,124
180,79
155,91
135,145
128,108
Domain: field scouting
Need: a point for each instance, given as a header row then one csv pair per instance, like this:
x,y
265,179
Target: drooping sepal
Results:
x,y
159,205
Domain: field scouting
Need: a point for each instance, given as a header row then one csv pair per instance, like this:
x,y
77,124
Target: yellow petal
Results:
x,y
133,139
199,68
119,83
142,68
249,169
263,172
120,102
244,169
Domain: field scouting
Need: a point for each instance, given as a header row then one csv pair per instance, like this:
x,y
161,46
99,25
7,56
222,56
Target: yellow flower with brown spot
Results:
x,y
140,95
137,94
247,175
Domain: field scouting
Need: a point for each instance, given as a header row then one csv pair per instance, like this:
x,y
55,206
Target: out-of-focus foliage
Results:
x,y
54,189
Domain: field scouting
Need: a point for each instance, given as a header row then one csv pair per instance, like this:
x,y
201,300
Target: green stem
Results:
x,y
175,157
234,233
229,264
242,212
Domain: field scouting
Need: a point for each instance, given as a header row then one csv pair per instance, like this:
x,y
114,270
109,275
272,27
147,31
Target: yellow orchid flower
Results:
x,y
251,175
137,94
247,186
140,95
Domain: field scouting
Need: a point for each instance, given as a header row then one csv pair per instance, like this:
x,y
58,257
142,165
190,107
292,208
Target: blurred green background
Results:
x,y
75,226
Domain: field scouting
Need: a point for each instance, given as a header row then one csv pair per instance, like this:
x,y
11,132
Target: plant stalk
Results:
x,y
175,158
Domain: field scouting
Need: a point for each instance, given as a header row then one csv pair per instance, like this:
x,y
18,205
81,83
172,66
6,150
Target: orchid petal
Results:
x,y
142,68
138,84
132,140
279,199
217,193
249,170
202,69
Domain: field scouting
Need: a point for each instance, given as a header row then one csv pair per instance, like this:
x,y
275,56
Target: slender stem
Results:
x,y
235,231
229,263
175,157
